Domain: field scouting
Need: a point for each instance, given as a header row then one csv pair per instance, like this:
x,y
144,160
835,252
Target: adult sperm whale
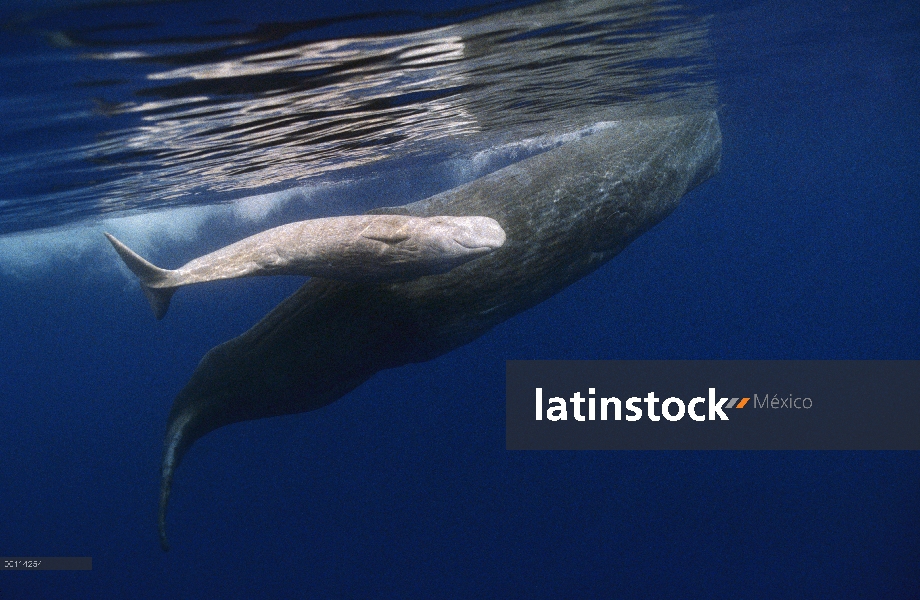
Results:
x,y
566,212
365,248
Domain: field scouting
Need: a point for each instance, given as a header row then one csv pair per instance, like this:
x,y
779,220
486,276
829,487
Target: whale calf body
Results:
x,y
566,212
366,248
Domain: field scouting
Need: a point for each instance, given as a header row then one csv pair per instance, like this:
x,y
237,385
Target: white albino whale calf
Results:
x,y
365,248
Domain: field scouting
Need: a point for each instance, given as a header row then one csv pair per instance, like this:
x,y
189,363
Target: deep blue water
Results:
x,y
806,245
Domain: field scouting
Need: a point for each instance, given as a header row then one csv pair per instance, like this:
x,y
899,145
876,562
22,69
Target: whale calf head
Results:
x,y
448,242
410,247
462,237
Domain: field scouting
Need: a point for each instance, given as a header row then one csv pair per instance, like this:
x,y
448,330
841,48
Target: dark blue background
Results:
x,y
806,246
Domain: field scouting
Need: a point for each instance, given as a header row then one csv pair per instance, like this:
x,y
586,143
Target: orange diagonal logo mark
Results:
x,y
742,403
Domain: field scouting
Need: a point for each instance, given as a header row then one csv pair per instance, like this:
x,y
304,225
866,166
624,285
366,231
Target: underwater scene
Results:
x,y
262,266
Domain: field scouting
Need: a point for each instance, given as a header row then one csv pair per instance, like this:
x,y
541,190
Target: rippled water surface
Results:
x,y
125,108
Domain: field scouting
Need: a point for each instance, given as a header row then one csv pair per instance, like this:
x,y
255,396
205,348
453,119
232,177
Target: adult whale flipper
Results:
x,y
566,212
367,248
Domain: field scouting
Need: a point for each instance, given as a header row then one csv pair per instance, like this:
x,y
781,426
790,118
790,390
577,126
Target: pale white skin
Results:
x,y
365,248
356,248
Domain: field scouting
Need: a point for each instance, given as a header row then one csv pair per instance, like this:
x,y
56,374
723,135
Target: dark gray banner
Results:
x,y
713,405
46,563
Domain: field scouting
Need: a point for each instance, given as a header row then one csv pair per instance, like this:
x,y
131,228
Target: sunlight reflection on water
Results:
x,y
213,118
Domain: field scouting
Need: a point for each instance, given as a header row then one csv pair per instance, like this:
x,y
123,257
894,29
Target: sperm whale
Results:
x,y
365,248
566,212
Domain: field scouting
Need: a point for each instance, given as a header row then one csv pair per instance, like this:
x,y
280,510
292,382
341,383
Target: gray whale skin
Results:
x,y
368,248
566,212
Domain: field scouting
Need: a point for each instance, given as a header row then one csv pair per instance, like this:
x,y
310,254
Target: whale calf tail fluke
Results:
x,y
154,280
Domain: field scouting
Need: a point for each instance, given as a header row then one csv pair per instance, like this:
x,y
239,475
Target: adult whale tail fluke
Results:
x,y
152,277
172,454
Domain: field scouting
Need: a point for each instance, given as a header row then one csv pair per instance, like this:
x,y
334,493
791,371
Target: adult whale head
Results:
x,y
566,212
365,248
